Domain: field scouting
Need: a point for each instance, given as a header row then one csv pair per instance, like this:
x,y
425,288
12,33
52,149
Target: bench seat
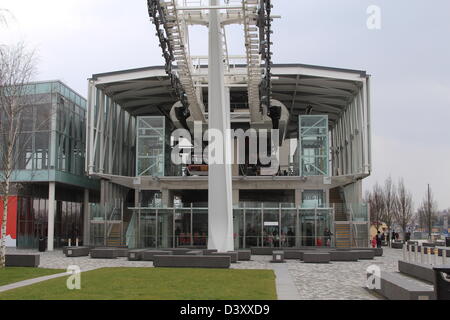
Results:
x,y
395,286
365,254
103,253
135,255
244,255
316,257
184,261
23,260
149,255
344,256
77,251
233,255
277,256
419,271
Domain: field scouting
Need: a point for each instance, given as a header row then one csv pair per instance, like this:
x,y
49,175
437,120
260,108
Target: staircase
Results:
x,y
337,199
343,230
343,235
113,239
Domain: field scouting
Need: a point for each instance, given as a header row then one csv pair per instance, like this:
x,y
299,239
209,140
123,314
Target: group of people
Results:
x,y
380,237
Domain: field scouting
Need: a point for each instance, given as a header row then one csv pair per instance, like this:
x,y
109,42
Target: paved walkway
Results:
x,y
295,279
28,282
286,289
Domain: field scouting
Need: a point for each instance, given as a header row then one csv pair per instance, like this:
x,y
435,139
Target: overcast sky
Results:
x,y
408,58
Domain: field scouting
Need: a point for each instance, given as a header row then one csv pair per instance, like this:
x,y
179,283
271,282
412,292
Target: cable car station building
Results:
x,y
322,116
146,201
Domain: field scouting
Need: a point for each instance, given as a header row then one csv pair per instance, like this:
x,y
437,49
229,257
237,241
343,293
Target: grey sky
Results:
x,y
409,60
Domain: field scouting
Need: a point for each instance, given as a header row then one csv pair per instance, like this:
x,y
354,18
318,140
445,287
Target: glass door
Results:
x,y
307,226
271,227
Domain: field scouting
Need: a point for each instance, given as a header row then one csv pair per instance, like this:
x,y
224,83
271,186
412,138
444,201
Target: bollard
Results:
x,y
76,242
416,252
429,255
436,255
70,242
404,253
444,256
422,255
409,254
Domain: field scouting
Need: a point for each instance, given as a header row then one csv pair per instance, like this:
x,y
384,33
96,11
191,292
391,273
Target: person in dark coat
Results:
x,y
378,239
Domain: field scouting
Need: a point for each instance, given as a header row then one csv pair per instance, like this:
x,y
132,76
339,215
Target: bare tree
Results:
x,y
17,67
390,201
376,205
427,212
404,207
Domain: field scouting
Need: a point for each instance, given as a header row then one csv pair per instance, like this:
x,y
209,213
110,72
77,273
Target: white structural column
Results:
x,y
87,218
220,219
51,215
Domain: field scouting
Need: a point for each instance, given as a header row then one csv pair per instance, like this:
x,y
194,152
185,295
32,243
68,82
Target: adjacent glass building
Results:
x,y
50,166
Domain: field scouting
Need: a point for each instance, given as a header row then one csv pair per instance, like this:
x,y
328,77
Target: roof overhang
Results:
x,y
147,91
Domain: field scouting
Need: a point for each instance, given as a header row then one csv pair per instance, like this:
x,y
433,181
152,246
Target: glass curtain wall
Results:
x,y
32,216
313,145
154,147
255,225
52,132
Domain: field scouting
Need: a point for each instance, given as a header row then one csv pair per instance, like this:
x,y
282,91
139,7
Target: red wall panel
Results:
x,y
11,226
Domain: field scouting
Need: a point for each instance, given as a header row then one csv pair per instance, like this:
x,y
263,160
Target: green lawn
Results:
x,y
156,284
11,275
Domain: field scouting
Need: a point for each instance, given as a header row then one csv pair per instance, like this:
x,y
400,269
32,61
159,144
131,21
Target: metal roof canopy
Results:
x,y
147,91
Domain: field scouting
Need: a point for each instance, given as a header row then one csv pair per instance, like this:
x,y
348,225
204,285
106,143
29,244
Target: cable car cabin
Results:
x,y
197,170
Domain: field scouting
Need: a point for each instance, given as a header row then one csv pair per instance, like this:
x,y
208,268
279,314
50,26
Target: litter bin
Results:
x,y
447,242
42,244
442,282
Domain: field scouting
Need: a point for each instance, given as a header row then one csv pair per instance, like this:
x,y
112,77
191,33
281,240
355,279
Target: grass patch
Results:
x,y
10,275
156,284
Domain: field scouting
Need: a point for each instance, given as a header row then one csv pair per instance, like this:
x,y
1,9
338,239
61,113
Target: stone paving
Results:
x,y
334,281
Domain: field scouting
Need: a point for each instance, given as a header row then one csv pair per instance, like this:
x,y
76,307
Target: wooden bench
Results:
x,y
22,260
183,261
316,257
395,286
76,251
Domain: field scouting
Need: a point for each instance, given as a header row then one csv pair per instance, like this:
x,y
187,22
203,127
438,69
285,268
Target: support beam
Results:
x,y
220,222
167,198
86,219
51,216
298,197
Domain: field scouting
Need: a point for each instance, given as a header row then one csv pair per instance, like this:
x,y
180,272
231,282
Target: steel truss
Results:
x,y
171,23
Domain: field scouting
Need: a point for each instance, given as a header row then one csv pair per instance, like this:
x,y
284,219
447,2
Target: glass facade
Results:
x,y
32,220
52,133
50,148
313,146
255,225
153,155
